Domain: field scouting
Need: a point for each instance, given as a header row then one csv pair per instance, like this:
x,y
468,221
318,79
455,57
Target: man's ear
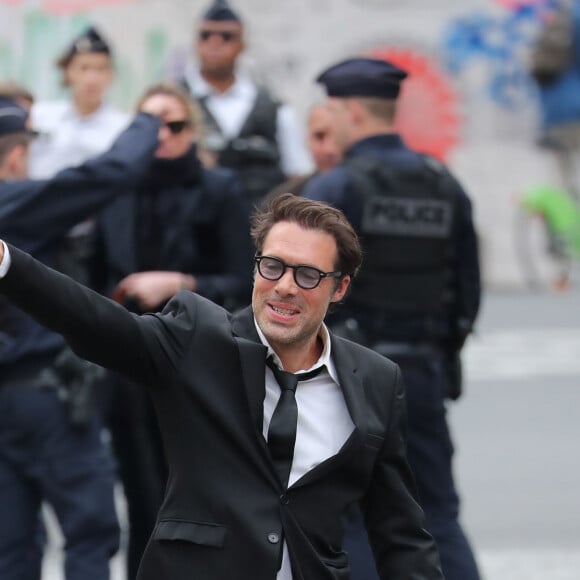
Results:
x,y
15,159
356,110
341,289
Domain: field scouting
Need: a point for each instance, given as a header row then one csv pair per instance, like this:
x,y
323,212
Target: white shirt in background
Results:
x,y
231,109
67,139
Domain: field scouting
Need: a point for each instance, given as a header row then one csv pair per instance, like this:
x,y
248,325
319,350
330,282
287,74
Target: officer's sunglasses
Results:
x,y
176,127
307,277
226,35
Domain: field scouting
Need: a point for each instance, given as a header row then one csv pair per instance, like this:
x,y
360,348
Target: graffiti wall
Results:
x,y
470,101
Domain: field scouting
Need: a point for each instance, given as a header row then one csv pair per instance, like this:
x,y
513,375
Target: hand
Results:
x,y
154,106
152,289
1,250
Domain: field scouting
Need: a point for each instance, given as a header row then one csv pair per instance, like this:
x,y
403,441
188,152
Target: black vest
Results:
x,y
254,153
406,230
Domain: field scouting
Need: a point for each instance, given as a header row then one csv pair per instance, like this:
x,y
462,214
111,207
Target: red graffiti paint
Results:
x,y
428,113
515,4
62,7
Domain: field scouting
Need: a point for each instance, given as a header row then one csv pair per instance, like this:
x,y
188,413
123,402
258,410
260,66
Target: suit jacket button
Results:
x,y
284,499
273,538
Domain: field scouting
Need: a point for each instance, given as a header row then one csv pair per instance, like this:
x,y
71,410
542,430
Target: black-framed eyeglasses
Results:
x,y
307,277
226,35
176,127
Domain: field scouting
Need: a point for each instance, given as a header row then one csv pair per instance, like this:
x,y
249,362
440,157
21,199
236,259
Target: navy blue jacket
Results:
x,y
337,188
559,100
35,215
202,223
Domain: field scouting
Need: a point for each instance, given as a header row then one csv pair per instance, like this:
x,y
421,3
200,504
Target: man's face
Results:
x,y
218,46
89,75
288,315
172,145
321,139
341,121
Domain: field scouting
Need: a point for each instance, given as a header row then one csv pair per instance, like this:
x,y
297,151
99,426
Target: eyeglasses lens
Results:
x,y
272,269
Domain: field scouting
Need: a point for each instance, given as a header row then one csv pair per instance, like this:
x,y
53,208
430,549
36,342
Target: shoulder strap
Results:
x,y
263,116
209,120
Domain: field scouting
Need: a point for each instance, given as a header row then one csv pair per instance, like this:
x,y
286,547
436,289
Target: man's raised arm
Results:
x,y
97,328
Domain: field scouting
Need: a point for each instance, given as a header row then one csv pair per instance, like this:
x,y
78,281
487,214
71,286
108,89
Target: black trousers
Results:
x,y
430,454
142,466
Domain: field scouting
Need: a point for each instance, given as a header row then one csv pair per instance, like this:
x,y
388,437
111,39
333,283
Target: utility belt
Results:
x,y
72,378
407,349
25,373
351,329
401,350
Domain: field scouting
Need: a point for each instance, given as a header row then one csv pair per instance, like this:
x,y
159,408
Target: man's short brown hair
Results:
x,y
384,109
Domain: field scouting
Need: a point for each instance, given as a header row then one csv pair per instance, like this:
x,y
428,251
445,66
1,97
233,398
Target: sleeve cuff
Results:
x,y
5,263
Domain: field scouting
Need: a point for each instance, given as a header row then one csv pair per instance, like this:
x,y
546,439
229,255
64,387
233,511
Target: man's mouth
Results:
x,y
283,311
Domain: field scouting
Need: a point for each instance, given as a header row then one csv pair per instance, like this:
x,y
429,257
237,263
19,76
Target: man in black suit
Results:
x,y
260,478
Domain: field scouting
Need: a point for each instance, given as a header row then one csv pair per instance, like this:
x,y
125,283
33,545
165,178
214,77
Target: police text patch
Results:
x,y
407,216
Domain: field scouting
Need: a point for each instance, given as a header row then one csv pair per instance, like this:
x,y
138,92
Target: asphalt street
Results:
x,y
516,432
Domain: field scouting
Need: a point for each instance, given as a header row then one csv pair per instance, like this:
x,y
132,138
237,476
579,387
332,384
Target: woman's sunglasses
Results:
x,y
176,127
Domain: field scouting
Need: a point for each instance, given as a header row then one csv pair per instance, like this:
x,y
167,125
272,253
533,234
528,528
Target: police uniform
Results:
x,y
67,138
417,295
44,454
246,128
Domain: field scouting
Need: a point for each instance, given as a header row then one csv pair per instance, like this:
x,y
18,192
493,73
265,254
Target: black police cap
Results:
x,y
90,40
363,77
13,118
221,11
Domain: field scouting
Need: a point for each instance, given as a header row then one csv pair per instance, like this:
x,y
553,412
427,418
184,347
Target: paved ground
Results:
x,y
516,433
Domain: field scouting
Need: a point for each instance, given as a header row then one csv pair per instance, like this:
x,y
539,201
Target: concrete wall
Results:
x,y
485,102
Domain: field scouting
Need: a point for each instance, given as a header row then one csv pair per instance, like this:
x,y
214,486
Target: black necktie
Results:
x,y
282,430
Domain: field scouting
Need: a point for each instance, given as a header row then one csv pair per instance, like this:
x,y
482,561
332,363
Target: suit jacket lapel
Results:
x,y
354,395
252,358
350,383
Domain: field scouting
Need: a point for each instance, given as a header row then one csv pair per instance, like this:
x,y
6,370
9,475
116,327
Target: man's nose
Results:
x,y
286,284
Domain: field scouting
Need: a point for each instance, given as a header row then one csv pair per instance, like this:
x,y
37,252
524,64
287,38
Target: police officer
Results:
x,y
45,456
246,128
322,146
419,290
76,128
85,124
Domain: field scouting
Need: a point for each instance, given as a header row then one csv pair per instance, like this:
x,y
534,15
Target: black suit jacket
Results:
x,y
225,511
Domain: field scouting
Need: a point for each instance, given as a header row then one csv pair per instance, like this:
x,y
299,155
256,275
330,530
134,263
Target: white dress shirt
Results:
x,y
324,423
231,108
68,139
5,263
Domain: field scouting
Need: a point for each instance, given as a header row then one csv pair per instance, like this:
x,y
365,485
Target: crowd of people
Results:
x,y
206,242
